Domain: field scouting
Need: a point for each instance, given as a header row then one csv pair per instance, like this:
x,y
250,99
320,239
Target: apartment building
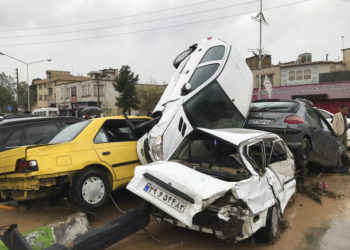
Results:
x,y
46,95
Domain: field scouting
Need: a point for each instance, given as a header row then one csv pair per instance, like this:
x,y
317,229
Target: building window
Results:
x,y
40,97
45,85
291,75
307,74
68,93
85,90
45,97
50,91
39,86
95,90
300,75
73,91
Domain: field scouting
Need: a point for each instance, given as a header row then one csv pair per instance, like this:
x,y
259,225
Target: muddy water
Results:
x,y
311,225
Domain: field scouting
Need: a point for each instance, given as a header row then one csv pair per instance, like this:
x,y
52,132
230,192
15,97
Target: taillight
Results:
x,y
24,166
293,119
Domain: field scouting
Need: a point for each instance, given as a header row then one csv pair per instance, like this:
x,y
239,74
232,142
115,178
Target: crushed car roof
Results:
x,y
235,135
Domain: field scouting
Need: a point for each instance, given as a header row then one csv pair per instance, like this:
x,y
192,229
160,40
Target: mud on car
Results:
x,y
306,132
228,182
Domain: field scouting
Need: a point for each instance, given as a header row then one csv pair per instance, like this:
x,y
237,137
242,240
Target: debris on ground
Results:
x,y
317,189
60,232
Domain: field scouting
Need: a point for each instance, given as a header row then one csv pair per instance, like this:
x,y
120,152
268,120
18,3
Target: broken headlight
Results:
x,y
156,146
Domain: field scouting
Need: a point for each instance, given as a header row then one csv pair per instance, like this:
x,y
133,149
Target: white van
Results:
x,y
46,112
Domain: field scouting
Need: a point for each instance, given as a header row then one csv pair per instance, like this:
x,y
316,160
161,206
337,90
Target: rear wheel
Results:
x,y
303,156
89,189
343,164
269,232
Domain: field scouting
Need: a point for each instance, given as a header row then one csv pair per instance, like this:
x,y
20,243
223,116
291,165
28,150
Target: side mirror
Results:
x,y
186,88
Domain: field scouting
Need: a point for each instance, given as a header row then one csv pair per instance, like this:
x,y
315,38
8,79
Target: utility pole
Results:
x,y
342,41
98,90
17,87
261,19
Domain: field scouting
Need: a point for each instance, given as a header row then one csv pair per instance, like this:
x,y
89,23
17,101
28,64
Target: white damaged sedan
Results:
x,y
228,182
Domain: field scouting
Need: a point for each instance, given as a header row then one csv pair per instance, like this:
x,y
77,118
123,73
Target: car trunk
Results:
x,y
165,185
267,121
8,159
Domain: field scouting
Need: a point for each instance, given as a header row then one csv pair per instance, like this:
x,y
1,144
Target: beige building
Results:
x,y
96,90
302,71
46,95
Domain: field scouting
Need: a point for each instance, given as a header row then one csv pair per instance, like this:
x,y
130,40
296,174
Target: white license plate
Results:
x,y
259,122
165,197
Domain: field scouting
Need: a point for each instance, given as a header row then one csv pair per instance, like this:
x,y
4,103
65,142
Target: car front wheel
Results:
x,y
89,189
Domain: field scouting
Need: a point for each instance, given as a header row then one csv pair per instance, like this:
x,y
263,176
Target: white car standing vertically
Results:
x,y
211,88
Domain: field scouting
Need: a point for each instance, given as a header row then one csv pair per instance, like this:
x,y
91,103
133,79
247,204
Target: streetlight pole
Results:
x,y
27,65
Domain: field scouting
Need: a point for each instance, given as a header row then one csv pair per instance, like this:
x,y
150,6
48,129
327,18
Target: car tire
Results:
x,y
303,156
343,164
89,189
269,232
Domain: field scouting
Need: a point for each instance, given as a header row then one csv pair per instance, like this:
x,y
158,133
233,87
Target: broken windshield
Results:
x,y
211,156
211,108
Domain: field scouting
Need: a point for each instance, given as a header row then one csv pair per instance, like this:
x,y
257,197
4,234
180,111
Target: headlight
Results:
x,y
157,148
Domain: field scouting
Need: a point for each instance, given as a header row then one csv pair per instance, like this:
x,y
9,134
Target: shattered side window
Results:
x,y
212,108
275,151
255,153
213,54
202,74
278,152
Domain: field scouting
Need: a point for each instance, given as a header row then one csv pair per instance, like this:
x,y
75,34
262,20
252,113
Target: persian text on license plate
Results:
x,y
165,197
259,121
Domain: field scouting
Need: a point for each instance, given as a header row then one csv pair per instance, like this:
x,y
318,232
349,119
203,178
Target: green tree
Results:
x,y
23,96
125,84
7,93
149,96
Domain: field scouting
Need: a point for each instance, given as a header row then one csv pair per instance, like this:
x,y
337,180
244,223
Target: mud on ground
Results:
x,y
310,225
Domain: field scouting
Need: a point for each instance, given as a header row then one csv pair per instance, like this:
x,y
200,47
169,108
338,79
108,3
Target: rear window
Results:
x,y
283,107
69,133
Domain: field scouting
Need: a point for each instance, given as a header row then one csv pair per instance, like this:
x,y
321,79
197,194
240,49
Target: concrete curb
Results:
x,y
60,232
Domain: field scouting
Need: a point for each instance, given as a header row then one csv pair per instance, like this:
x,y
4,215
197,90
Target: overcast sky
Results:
x,y
123,34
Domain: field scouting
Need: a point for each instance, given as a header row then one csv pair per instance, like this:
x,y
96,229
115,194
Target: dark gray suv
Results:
x,y
306,132
22,131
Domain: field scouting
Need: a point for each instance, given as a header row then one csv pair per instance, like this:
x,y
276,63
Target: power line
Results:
x,y
152,29
134,23
108,19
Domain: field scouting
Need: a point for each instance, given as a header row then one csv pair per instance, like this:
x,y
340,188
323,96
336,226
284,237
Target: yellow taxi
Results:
x,y
89,159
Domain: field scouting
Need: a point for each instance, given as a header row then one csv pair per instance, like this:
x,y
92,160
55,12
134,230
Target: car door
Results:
x,y
115,144
332,143
318,135
280,169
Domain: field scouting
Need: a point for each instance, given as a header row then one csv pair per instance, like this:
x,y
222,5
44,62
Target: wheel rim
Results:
x,y
93,190
274,221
